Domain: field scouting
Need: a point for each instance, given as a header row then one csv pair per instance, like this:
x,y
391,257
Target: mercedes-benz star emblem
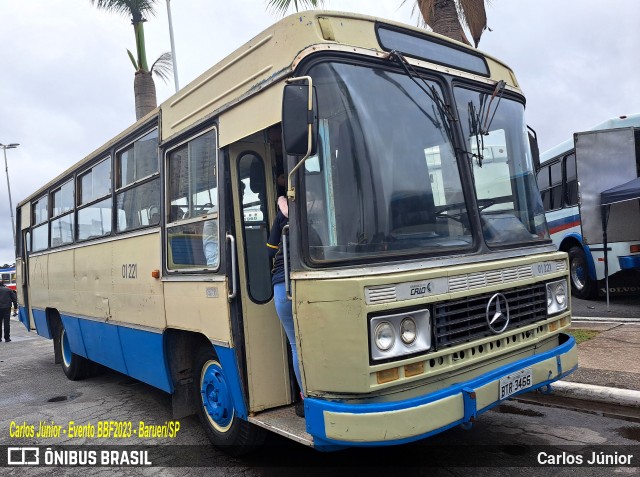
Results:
x,y
498,313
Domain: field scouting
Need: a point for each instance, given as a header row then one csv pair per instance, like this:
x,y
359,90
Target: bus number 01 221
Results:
x,y
130,270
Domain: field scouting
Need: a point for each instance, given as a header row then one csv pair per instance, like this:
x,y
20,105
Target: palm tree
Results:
x,y
143,86
447,17
283,5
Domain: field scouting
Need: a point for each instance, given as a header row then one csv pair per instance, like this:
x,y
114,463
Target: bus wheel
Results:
x,y
582,286
216,408
73,365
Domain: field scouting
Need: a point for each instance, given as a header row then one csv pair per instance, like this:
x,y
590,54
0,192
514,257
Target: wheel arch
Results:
x,y
575,240
54,322
181,348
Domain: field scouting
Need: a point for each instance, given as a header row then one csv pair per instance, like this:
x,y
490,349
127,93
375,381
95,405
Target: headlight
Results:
x,y
557,296
385,337
408,330
393,336
561,294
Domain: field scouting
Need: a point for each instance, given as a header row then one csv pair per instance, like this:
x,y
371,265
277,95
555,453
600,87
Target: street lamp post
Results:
x,y
173,47
6,168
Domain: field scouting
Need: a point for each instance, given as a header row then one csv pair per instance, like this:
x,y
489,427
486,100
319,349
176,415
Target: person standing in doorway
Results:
x,y
283,304
7,300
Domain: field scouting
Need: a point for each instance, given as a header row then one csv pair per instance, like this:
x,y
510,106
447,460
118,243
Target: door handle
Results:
x,y
234,267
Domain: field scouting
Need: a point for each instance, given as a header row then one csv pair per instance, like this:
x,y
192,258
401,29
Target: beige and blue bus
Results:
x,y
425,289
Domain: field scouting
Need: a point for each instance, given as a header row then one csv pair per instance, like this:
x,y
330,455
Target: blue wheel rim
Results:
x,y
216,396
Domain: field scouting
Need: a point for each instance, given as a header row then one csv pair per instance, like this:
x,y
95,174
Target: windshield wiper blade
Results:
x,y
432,93
497,92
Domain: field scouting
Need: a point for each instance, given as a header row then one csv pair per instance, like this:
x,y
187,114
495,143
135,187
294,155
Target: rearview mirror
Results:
x,y
296,119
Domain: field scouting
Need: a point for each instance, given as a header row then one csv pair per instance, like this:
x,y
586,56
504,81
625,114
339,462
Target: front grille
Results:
x,y
464,320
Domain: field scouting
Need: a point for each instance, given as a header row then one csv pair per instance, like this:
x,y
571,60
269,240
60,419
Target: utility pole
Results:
x,y
6,168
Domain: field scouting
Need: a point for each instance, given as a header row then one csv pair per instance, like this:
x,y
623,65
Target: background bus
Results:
x,y
571,179
422,295
8,275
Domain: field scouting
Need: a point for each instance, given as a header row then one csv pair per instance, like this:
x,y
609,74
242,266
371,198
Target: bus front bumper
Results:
x,y
336,424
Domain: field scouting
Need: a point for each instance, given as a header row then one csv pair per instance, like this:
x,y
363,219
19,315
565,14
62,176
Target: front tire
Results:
x,y
75,367
582,286
216,408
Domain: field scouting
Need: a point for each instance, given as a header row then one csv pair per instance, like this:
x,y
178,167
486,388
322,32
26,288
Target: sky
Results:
x,y
66,82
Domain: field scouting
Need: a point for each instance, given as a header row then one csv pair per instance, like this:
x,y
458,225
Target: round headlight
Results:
x,y
549,297
408,330
384,336
561,294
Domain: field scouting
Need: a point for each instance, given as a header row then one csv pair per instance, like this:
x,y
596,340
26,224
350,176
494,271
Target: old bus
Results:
x,y
8,276
419,300
573,175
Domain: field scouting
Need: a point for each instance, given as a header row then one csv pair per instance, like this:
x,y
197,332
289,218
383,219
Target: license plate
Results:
x,y
514,382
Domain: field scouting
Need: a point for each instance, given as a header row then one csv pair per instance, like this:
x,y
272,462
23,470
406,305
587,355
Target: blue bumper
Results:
x,y
630,262
338,424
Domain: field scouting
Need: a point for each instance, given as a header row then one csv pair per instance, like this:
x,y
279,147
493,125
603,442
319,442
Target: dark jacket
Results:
x,y
275,248
7,297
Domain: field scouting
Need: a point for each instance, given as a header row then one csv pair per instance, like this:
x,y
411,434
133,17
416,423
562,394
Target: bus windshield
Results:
x,y
386,182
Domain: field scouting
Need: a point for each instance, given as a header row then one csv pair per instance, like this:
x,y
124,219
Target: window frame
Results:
x,y
94,200
139,182
166,224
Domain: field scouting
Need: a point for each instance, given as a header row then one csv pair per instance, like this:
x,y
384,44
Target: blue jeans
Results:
x,y
285,313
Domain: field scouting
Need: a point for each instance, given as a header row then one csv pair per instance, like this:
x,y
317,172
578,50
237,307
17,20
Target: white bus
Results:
x,y
417,306
572,176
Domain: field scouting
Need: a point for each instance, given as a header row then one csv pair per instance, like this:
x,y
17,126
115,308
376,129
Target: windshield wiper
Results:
x,y
431,91
497,91
480,119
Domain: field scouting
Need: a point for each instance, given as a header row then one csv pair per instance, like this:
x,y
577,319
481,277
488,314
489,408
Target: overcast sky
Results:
x,y
66,83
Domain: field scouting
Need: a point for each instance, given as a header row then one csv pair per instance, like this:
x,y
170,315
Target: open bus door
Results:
x,y
22,284
265,344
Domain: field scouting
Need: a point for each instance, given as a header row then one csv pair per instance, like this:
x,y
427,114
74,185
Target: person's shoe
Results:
x,y
7,340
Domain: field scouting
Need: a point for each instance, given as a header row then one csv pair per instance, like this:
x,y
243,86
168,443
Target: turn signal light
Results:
x,y
387,375
155,273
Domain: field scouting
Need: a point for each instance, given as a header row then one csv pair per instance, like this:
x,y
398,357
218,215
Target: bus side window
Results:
x,y
192,196
556,186
543,185
571,194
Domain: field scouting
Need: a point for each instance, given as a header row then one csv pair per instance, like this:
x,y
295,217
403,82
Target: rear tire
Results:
x,y
582,286
216,408
75,367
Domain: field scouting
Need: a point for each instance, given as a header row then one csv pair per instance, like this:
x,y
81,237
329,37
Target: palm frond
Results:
x,y
134,8
281,6
163,66
473,14
133,60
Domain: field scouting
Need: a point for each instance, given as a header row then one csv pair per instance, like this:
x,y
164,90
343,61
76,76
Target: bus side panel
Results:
x,y
137,297
92,282
60,282
201,307
136,353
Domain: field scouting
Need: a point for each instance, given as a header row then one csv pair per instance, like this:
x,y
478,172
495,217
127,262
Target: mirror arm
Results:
x,y
291,192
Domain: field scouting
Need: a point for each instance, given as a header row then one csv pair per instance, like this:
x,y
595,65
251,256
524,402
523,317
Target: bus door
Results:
x,y
23,288
254,211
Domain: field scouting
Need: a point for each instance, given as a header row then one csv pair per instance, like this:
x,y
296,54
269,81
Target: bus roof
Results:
x,y
229,90
631,120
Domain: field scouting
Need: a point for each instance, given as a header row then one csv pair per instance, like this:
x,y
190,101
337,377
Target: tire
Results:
x,y
216,409
582,286
75,367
